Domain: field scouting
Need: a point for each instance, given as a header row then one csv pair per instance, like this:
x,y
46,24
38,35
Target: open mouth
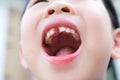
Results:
x,y
61,39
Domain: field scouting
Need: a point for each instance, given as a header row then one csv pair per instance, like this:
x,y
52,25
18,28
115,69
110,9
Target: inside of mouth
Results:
x,y
61,44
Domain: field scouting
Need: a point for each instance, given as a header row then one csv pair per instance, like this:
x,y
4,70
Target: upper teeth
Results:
x,y
61,29
50,33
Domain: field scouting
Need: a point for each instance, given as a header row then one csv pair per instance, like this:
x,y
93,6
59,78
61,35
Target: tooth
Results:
x,y
61,29
72,31
68,30
51,32
47,36
76,36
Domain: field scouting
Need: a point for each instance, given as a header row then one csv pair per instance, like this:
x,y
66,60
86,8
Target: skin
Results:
x,y
99,41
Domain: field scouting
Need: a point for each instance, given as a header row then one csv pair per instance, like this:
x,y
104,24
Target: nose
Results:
x,y
59,7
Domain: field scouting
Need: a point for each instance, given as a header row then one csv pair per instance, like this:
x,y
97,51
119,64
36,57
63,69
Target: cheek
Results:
x,y
30,21
97,24
29,35
97,37
30,25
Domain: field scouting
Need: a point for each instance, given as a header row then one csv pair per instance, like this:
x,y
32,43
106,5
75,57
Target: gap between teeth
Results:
x,y
61,29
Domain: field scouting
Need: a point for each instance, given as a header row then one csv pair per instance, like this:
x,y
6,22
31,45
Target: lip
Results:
x,y
57,23
60,60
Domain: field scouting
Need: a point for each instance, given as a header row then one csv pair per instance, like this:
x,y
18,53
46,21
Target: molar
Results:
x,y
72,31
76,36
68,30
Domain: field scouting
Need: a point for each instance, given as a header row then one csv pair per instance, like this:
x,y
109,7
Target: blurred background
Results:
x,y
10,15
10,67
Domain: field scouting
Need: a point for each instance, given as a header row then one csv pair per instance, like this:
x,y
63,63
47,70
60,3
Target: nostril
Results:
x,y
51,11
65,9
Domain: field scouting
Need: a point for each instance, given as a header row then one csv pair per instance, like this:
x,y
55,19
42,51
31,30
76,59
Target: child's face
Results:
x,y
66,39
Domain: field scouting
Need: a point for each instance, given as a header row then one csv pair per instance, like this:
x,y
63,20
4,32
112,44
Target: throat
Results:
x,y
61,44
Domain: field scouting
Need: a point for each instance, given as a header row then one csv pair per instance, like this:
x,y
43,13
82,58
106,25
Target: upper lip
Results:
x,y
58,22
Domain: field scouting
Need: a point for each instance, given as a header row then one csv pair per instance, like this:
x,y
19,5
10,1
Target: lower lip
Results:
x,y
62,60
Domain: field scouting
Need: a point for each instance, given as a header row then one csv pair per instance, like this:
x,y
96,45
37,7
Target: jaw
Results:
x,y
61,42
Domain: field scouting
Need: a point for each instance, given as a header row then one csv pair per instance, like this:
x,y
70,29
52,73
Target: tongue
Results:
x,y
64,52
